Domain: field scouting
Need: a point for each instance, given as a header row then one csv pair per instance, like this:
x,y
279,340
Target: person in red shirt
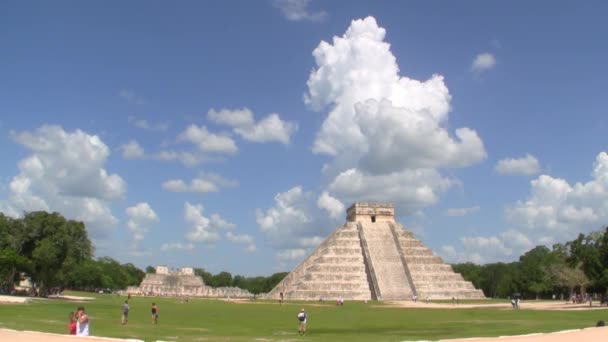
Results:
x,y
72,324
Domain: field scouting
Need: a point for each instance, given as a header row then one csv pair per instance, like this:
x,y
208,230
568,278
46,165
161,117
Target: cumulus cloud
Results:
x,y
557,207
65,173
293,222
132,150
333,206
204,183
269,129
130,96
485,249
526,166
483,62
176,246
243,239
297,10
554,211
148,126
411,189
203,229
461,211
141,217
383,129
207,141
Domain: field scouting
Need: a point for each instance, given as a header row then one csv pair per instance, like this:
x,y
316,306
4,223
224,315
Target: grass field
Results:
x,y
215,320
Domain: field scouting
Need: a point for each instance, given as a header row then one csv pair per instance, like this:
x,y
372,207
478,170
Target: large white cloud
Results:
x,y
141,217
332,205
65,173
293,223
527,166
412,190
204,229
269,129
383,129
554,211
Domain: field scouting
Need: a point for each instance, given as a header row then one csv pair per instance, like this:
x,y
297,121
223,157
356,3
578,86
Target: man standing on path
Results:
x,y
125,312
302,318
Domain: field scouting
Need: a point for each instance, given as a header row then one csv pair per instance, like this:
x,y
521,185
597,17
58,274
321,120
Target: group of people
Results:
x,y
79,320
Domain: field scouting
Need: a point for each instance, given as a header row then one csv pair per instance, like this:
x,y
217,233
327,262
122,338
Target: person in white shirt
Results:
x,y
82,322
303,319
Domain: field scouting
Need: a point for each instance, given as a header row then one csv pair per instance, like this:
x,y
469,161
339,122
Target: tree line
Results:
x,y
56,253
577,266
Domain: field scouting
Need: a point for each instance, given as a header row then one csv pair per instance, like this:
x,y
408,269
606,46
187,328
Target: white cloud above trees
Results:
x,y
141,217
554,211
65,172
202,228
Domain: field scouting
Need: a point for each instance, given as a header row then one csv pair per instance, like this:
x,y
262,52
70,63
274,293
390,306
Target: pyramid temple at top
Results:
x,y
372,257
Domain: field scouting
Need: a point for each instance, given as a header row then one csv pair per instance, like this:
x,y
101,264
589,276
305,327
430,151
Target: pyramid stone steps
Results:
x,y
327,286
386,260
329,276
372,257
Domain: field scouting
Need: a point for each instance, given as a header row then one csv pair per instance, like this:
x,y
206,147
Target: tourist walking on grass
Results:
x,y
154,311
82,322
72,324
125,312
302,319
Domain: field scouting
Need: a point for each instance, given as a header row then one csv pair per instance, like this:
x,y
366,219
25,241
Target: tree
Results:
x,y
53,246
150,269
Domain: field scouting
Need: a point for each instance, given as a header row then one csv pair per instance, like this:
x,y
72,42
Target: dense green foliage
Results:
x,y
217,320
580,265
254,285
56,253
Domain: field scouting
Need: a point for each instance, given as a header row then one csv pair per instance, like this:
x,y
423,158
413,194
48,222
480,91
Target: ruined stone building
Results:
x,y
372,257
182,282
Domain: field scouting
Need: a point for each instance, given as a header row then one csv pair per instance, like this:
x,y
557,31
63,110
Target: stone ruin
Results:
x,y
182,282
371,257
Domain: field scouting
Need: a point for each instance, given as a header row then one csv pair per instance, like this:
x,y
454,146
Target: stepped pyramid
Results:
x,y
372,257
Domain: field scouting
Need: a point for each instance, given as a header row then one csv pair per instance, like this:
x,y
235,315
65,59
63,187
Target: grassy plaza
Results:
x,y
217,320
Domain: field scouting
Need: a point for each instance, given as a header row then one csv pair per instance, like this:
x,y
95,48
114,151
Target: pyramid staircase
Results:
x,y
372,257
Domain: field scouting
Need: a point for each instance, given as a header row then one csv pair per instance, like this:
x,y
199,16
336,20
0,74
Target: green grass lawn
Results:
x,y
214,320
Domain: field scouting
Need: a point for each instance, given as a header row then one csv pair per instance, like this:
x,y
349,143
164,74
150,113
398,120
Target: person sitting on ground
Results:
x,y
302,319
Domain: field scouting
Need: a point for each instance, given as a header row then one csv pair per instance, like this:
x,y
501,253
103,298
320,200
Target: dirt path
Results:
x,y
32,336
586,335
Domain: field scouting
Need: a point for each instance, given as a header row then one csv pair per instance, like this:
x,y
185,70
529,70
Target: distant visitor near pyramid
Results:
x,y
372,257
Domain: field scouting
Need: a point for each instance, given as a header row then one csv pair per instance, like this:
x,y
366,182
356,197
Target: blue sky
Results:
x,y
232,135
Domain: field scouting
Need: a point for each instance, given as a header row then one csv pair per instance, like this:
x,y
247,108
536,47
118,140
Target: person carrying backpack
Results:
x,y
302,319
